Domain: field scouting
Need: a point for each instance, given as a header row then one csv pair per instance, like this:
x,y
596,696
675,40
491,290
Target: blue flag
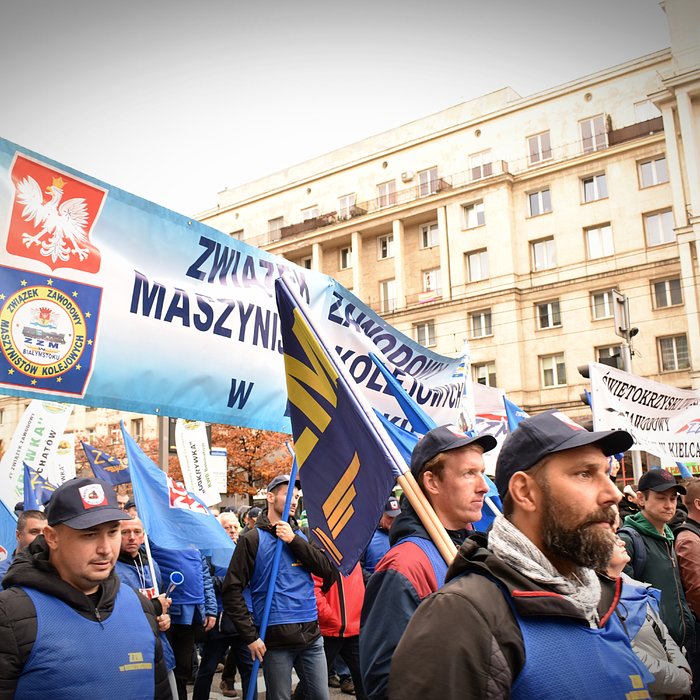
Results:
x,y
685,472
110,469
173,517
37,490
422,423
8,528
514,414
347,463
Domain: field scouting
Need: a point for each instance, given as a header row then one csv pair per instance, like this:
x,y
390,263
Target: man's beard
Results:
x,y
582,543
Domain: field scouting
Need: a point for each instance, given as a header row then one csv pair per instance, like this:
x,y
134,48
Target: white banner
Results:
x,y
193,452
63,466
35,442
217,466
663,420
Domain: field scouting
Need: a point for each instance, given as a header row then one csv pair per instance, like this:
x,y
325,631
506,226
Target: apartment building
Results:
x,y
510,220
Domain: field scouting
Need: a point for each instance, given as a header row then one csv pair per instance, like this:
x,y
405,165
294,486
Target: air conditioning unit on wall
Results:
x,y
407,176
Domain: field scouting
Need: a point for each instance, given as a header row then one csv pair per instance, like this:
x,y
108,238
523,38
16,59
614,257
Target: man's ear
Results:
x,y
525,492
430,482
51,537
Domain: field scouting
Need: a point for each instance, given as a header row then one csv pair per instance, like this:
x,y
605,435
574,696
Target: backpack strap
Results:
x,y
639,560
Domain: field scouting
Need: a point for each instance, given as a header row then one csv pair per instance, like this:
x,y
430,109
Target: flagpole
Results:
x,y
253,682
414,494
151,568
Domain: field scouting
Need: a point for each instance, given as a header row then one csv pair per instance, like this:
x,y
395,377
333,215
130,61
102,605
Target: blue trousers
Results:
x,y
310,664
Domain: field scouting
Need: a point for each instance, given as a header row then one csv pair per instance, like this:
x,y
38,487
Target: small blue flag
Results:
x,y
173,517
685,472
110,469
37,490
8,529
514,414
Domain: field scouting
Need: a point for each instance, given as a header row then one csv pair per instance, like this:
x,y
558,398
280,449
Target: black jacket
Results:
x,y
240,572
18,623
485,650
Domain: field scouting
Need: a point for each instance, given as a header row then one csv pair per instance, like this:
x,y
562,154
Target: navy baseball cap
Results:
x,y
281,479
392,508
659,480
546,433
82,503
442,439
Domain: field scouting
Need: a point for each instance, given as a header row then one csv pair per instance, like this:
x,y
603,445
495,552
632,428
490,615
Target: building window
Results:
x,y
345,258
480,322
548,314
385,246
274,225
553,370
310,213
659,228
484,373
429,235
428,181
346,205
480,165
653,172
137,429
305,262
539,148
595,187
543,254
386,194
667,293
599,242
424,333
602,305
237,235
593,136
674,353
539,202
387,295
478,265
608,351
431,280
474,215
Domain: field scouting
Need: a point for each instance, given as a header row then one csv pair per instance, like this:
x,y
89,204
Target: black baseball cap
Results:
x,y
253,512
392,508
82,503
442,439
281,479
546,433
659,480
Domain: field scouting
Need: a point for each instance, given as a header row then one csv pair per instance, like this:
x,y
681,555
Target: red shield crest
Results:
x,y
53,214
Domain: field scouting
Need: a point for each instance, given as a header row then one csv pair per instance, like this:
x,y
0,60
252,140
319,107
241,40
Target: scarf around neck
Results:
x,y
515,549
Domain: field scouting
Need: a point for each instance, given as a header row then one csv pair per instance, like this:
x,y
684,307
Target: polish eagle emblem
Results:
x,y
62,225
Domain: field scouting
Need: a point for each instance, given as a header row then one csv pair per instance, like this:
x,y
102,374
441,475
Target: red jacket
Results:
x,y
339,606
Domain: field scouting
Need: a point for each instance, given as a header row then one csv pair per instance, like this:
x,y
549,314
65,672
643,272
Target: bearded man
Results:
x,y
525,615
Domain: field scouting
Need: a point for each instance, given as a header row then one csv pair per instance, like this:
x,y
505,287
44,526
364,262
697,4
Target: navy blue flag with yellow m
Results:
x,y
110,469
347,464
37,490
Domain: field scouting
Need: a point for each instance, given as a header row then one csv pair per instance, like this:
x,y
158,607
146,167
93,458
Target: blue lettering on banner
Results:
x,y
228,318
240,393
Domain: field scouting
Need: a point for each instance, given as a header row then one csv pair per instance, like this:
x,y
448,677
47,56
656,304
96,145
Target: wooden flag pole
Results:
x,y
428,517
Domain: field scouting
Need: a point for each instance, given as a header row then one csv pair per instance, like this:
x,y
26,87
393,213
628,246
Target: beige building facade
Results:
x,y
509,221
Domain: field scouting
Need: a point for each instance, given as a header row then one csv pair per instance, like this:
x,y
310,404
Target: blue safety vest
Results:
x,y
566,658
436,559
82,659
294,599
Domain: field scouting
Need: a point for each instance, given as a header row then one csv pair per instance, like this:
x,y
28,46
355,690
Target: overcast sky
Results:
x,y
176,101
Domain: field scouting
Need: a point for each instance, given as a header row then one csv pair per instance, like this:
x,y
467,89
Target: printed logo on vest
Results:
x,y
136,663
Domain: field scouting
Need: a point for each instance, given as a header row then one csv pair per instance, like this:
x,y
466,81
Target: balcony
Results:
x,y
635,131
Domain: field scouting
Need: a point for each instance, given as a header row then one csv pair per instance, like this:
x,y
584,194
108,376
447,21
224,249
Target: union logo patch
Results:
x,y
48,328
52,216
93,495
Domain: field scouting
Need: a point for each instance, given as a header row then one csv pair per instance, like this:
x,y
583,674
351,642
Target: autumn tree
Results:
x,y
253,456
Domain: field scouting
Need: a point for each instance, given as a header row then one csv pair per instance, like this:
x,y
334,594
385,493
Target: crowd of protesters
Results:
x,y
580,588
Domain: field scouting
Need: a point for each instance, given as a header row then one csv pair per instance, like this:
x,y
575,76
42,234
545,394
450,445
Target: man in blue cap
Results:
x,y
67,626
525,615
293,637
